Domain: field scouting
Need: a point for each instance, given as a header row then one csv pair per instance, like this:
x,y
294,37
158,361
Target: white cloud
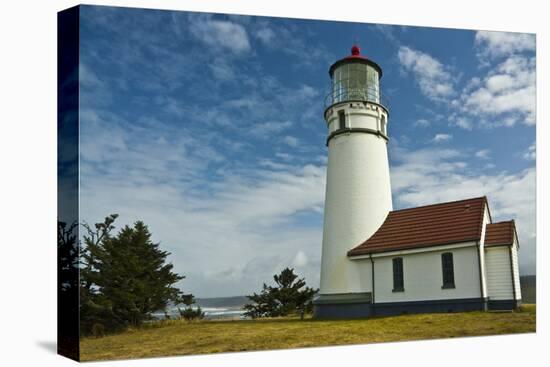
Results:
x,y
471,84
506,95
265,35
218,33
483,154
439,138
422,123
531,153
88,78
294,41
283,156
108,140
266,130
415,166
221,69
503,96
291,141
498,44
388,31
433,78
500,82
462,122
300,260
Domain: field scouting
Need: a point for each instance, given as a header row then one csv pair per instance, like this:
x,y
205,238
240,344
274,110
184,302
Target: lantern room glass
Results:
x,y
355,81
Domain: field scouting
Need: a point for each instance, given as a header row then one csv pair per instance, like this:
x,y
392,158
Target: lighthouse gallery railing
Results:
x,y
366,94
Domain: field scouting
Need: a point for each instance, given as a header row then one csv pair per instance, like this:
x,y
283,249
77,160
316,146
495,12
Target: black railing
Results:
x,y
365,94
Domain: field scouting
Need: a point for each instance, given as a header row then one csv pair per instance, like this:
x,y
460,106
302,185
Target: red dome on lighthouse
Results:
x,y
355,53
355,57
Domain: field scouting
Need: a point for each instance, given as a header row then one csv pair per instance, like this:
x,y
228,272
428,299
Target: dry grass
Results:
x,y
177,337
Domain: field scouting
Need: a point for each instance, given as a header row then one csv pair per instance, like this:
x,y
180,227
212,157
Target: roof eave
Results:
x,y
498,244
404,248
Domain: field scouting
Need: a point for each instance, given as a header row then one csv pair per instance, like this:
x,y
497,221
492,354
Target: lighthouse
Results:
x,y
358,191
442,257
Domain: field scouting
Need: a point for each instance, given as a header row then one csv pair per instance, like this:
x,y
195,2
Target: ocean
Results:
x,y
210,313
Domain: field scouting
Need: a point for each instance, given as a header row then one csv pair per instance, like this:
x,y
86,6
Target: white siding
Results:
x,y
363,276
516,270
499,277
423,276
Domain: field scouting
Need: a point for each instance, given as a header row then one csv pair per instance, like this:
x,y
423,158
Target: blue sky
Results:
x,y
210,128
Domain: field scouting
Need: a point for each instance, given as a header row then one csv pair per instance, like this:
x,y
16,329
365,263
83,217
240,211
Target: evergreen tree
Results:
x,y
287,297
95,310
67,288
124,277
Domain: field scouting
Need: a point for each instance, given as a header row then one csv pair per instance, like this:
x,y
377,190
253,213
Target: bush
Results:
x,y
190,314
290,295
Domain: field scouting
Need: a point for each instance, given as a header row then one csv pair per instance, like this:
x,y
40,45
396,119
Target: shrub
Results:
x,y
190,314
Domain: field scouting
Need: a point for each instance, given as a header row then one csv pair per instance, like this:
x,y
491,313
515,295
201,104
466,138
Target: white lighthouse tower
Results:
x,y
358,191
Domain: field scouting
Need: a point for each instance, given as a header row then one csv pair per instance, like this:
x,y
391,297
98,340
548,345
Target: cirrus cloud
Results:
x,y
499,44
220,33
432,76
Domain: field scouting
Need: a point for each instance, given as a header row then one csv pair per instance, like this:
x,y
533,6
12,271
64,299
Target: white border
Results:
x,y
28,183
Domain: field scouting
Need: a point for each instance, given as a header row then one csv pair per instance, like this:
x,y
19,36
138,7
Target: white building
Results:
x,y
379,261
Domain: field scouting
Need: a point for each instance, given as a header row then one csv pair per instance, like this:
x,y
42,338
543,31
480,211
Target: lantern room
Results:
x,y
354,78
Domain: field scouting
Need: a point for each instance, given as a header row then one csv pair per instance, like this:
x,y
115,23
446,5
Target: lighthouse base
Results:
x,y
358,305
342,306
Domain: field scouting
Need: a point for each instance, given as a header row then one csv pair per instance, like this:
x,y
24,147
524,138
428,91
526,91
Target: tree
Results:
x,y
67,249
290,295
67,288
124,277
188,313
96,311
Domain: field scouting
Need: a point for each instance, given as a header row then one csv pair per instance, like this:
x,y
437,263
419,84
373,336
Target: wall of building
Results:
x,y
362,270
499,277
423,276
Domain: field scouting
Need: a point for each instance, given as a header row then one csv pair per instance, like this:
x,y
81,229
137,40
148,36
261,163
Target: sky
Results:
x,y
210,129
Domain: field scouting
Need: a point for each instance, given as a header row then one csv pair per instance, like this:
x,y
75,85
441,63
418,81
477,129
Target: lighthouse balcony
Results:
x,y
364,94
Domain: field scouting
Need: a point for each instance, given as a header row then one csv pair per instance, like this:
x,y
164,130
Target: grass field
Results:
x,y
176,337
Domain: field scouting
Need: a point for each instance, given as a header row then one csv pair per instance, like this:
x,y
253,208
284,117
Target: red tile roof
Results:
x,y
424,226
501,233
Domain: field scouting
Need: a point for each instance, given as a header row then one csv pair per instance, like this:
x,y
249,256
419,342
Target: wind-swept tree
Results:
x,y
289,295
124,277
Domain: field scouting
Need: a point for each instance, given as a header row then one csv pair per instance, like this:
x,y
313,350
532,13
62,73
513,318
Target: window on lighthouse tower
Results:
x,y
341,120
383,125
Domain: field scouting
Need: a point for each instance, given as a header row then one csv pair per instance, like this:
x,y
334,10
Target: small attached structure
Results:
x,y
501,257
